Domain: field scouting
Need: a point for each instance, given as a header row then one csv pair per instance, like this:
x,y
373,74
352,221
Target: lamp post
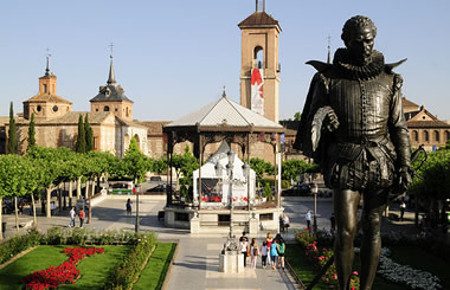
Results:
x,y
136,226
315,190
246,170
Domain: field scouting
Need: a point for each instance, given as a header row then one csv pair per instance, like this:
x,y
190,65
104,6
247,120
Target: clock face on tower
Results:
x,y
55,108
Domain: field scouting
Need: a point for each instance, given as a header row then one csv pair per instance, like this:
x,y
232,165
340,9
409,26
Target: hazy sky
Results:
x,y
172,57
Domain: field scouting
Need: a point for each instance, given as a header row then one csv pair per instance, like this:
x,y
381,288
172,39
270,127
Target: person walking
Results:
x,y
273,254
286,223
308,219
402,209
128,206
81,217
243,247
264,252
269,241
254,253
281,248
73,214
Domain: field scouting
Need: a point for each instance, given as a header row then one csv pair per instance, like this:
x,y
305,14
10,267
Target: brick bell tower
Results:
x,y
259,50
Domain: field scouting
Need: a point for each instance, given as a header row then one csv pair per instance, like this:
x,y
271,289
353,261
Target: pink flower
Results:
x,y
355,273
335,276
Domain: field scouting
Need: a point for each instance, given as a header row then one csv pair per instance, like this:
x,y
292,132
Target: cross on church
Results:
x,y
111,46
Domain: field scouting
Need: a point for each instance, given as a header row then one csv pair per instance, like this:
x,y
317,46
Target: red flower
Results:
x,y
66,273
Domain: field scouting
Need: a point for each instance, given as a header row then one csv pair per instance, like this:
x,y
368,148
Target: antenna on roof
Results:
x,y
224,95
329,50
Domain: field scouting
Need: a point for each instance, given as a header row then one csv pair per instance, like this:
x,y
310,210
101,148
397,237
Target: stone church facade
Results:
x,y
111,118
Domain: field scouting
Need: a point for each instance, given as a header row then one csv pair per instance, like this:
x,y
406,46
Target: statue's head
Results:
x,y
358,35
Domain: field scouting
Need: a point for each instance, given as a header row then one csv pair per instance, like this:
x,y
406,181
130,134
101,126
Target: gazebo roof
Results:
x,y
225,114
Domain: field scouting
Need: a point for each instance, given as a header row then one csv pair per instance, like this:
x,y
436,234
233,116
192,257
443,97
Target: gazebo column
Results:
x,y
199,184
249,171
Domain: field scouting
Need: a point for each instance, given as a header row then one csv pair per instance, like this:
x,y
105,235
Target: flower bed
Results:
x,y
66,273
320,256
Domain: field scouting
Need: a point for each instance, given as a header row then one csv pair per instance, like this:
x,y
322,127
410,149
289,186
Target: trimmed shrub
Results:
x,y
17,244
123,276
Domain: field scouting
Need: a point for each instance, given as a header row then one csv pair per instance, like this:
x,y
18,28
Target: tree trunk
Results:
x,y
86,189
1,219
34,210
70,193
16,213
48,207
93,186
79,187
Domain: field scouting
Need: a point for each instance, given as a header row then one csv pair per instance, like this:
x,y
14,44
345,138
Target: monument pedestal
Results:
x,y
231,262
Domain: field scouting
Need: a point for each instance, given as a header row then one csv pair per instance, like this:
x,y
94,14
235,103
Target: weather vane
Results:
x,y
111,46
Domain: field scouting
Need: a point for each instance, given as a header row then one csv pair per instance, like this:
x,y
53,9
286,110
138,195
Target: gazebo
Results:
x,y
221,121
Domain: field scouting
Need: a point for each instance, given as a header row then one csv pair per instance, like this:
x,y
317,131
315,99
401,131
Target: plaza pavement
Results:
x,y
196,261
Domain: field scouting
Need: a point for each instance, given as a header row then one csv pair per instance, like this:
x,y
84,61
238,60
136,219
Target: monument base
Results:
x,y
231,262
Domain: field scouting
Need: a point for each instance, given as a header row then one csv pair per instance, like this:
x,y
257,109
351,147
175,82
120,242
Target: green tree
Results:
x,y
185,164
261,167
32,132
89,134
80,146
136,163
297,116
159,165
291,169
13,142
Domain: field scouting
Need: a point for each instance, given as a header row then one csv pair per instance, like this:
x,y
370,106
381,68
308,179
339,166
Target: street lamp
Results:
x,y
315,190
136,226
246,170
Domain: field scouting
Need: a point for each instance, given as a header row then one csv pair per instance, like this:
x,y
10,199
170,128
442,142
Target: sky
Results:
x,y
173,57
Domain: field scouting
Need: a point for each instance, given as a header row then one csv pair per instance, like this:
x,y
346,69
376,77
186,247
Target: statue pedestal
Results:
x,y
231,262
253,226
195,225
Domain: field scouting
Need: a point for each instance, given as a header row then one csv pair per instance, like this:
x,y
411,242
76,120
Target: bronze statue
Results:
x,y
353,126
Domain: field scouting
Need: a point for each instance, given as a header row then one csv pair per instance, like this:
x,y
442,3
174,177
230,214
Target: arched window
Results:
x,y
415,136
426,136
436,136
258,56
106,109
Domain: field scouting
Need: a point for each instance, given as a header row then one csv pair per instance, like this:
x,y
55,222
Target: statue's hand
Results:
x,y
404,180
331,121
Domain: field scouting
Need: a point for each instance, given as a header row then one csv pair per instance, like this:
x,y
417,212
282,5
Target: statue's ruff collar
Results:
x,y
343,63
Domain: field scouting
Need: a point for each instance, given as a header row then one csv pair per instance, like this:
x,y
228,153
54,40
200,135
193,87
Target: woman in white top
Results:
x,y
243,247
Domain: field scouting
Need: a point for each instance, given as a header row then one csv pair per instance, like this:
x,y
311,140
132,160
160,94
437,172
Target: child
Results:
x,y
254,252
264,251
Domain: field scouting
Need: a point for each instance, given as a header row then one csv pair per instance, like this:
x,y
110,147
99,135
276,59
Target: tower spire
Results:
x,y
263,5
329,50
112,77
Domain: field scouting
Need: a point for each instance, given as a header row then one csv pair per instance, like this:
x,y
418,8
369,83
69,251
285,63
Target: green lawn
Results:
x,y
152,277
94,270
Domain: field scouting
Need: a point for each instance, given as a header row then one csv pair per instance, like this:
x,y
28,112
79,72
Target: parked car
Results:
x,y
298,190
159,189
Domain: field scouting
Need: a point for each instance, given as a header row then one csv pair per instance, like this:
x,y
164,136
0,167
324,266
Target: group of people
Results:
x,y
271,251
73,215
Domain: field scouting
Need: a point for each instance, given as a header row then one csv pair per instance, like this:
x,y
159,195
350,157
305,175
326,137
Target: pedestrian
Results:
x,y
402,209
286,223
273,254
333,223
128,206
243,247
264,251
73,214
269,242
281,223
81,217
281,248
254,253
308,219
